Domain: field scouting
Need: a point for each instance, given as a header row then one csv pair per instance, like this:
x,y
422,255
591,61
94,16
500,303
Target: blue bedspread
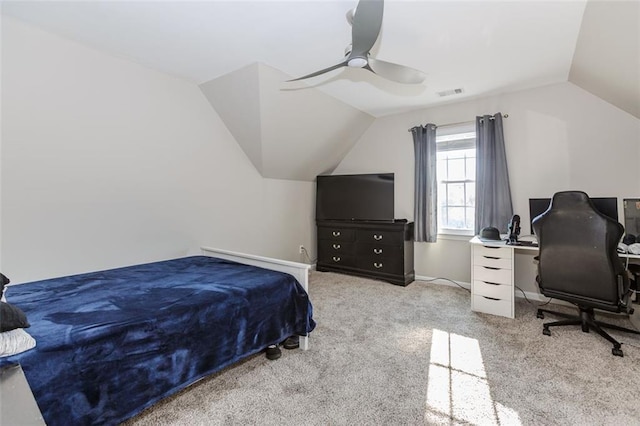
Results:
x,y
111,343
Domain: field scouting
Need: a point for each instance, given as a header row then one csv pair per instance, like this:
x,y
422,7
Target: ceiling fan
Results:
x,y
366,21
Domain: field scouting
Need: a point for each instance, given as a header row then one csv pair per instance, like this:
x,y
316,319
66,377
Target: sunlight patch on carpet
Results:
x,y
458,389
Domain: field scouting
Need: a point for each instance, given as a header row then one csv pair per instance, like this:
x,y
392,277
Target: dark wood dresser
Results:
x,y
379,250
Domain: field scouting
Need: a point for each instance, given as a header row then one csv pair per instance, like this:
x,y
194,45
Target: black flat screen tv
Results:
x,y
365,197
608,206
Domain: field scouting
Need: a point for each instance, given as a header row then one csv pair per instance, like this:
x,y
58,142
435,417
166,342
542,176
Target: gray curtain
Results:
x,y
426,185
493,195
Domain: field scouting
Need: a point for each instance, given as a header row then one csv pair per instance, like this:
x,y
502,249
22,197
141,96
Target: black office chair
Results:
x,y
578,263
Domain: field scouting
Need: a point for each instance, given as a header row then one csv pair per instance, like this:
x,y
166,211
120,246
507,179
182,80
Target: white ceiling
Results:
x,y
484,47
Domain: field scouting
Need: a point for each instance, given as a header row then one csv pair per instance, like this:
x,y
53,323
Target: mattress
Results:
x,y
112,343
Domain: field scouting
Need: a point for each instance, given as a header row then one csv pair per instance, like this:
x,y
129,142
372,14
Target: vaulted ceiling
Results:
x,y
241,53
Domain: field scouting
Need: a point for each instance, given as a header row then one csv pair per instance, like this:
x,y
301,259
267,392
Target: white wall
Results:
x,y
558,137
105,163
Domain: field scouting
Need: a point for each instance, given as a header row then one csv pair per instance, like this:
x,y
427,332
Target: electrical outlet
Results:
x,y
301,249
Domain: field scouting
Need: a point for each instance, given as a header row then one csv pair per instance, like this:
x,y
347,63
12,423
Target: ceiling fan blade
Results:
x,y
395,72
313,74
350,16
367,21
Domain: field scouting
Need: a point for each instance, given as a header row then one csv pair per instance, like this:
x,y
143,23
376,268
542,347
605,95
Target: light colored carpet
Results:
x,y
388,355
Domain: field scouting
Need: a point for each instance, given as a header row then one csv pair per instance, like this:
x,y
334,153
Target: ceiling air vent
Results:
x,y
450,92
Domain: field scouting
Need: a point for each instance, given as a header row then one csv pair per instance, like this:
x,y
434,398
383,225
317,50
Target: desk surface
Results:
x,y
490,243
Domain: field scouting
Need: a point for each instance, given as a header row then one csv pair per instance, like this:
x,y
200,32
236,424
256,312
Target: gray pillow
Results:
x,y
3,282
12,317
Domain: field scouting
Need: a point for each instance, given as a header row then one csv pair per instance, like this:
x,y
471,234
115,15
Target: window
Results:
x,y
456,162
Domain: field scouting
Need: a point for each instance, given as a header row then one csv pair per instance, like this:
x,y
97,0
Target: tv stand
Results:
x,y
373,249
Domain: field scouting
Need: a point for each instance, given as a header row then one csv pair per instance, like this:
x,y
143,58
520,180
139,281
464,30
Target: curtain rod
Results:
x,y
465,122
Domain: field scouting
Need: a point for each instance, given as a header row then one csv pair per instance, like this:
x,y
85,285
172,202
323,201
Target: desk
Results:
x,y
493,277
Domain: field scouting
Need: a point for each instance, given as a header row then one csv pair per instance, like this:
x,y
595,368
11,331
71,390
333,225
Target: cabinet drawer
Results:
x,y
502,307
496,276
379,250
335,248
375,264
381,237
336,260
492,261
496,291
500,252
336,234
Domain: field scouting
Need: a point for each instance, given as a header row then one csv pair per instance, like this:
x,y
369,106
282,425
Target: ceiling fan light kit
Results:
x,y
366,22
357,62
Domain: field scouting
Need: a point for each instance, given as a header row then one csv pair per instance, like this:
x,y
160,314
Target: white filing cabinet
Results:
x,y
492,279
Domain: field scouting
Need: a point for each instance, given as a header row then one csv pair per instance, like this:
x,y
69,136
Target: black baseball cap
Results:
x,y
490,233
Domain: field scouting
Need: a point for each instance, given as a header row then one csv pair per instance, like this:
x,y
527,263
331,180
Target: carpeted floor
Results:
x,y
388,355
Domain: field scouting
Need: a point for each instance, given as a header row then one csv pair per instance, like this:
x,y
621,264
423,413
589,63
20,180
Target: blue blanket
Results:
x,y
111,343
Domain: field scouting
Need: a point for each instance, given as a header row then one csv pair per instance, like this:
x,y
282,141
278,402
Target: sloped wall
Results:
x,y
105,163
296,132
606,61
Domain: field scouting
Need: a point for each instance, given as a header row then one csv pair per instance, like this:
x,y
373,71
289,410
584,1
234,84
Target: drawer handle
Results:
x,y
491,247
336,246
377,237
491,257
377,265
489,282
336,233
377,251
336,258
490,298
492,268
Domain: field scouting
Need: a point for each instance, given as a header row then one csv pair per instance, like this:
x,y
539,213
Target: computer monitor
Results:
x,y
608,206
631,216
537,206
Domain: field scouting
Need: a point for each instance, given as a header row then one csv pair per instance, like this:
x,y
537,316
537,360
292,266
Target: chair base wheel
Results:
x,y
587,322
540,315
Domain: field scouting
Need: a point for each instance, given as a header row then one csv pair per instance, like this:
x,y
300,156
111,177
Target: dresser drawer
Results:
x,y
381,237
502,307
387,265
489,251
496,291
378,250
496,276
336,234
327,248
492,261
336,259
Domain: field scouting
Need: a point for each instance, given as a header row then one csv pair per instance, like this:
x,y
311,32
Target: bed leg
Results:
x,y
304,343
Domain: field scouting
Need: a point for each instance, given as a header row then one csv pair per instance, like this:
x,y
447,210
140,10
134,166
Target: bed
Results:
x,y
112,343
